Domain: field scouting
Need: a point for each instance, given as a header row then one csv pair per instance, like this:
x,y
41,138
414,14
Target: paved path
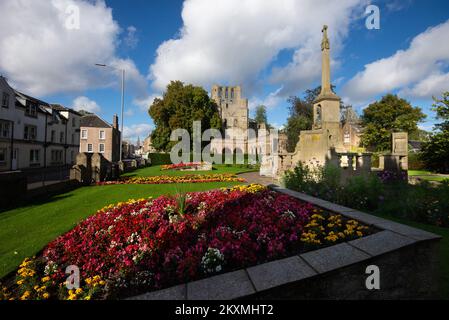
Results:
x,y
255,177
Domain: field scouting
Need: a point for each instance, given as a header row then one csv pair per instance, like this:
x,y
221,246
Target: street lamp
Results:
x,y
122,71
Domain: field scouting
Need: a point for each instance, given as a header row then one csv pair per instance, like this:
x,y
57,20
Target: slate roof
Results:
x,y
94,121
59,107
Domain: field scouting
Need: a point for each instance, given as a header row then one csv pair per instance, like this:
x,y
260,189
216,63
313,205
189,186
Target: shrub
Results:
x,y
385,193
415,161
159,158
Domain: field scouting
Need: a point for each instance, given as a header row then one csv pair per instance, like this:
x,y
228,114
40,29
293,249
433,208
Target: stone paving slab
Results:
x,y
279,272
173,293
408,231
226,286
381,242
331,258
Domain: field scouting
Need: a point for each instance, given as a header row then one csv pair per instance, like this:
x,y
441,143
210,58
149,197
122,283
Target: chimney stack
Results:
x,y
115,122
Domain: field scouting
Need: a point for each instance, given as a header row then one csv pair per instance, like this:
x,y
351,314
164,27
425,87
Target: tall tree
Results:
x,y
261,115
301,116
180,106
435,152
391,114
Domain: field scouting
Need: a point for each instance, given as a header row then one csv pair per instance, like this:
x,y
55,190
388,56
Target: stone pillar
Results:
x,y
364,162
121,166
98,168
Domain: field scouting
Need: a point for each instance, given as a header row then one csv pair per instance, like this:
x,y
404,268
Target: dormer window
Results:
x,y
31,109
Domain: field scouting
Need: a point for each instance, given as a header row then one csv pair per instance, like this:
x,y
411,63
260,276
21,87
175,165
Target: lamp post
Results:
x,y
122,71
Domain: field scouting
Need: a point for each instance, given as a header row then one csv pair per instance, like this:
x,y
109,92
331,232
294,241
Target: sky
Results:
x,y
49,48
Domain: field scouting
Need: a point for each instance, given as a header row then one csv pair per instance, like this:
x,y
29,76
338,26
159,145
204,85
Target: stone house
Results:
x,y
35,134
98,136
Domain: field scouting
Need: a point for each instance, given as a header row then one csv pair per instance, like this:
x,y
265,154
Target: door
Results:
x,y
15,159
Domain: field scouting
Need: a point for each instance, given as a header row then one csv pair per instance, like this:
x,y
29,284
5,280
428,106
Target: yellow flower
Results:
x,y
45,279
20,282
25,296
46,295
87,298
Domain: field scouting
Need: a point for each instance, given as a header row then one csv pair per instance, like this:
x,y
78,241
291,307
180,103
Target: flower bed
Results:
x,y
189,178
149,244
179,166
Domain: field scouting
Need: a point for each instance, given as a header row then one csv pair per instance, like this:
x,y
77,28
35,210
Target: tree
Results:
x,y
391,114
435,152
261,115
180,106
301,116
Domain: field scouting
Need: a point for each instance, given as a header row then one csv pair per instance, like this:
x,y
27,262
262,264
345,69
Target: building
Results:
x,y
128,150
35,134
233,109
147,146
351,130
98,136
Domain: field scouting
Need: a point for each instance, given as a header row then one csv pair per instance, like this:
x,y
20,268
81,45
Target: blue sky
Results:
x,y
270,48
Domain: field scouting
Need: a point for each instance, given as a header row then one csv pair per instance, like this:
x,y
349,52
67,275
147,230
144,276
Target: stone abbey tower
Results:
x,y
233,108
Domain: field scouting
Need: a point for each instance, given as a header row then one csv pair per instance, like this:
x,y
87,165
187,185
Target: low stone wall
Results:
x,y
406,257
13,186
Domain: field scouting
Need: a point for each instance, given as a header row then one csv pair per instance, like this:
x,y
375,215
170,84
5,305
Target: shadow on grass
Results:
x,y
37,201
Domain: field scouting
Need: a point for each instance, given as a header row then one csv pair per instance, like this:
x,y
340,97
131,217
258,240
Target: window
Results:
x,y
56,156
29,132
5,100
73,122
90,148
34,156
101,148
84,134
53,135
61,137
3,155
102,135
72,156
73,138
31,109
4,129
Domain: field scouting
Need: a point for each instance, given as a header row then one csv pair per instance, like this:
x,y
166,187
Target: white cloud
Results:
x,y
86,104
141,130
271,101
41,56
237,39
433,85
420,67
131,39
145,102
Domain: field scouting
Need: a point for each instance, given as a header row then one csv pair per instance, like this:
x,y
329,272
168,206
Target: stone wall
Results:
x,y
13,187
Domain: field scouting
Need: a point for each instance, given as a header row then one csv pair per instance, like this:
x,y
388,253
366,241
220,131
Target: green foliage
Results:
x,y
301,118
180,106
424,202
261,115
382,118
415,161
435,152
159,158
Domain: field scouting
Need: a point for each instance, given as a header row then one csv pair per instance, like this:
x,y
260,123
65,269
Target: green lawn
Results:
x,y
426,175
26,230
217,169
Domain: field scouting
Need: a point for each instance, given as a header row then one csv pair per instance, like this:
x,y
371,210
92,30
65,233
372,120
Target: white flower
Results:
x,y
212,261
